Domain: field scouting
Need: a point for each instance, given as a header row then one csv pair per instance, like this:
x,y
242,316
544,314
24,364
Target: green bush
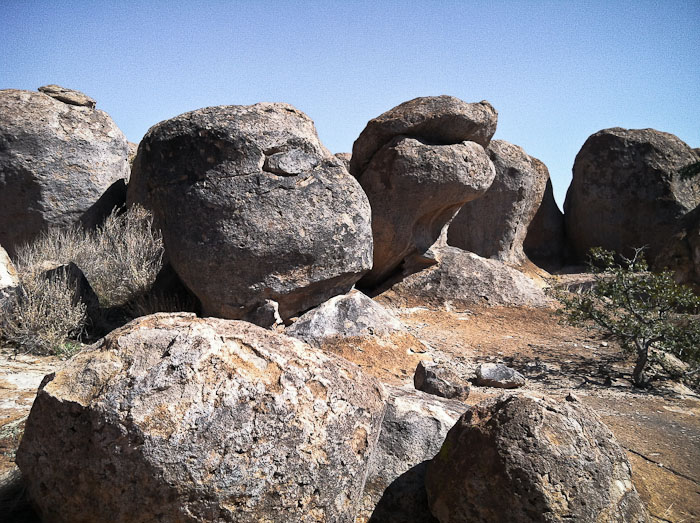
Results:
x,y
649,313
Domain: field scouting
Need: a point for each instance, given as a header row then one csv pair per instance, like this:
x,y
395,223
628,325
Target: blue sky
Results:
x,y
556,71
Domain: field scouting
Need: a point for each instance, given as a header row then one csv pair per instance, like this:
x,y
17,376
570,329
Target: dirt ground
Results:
x,y
659,428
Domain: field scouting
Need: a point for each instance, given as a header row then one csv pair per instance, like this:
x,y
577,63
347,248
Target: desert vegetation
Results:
x,y
120,260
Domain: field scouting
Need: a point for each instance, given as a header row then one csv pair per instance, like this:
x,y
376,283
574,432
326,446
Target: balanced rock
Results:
x,y
56,160
545,242
359,329
463,279
253,208
68,96
419,163
175,418
530,459
627,191
440,381
413,430
499,376
495,225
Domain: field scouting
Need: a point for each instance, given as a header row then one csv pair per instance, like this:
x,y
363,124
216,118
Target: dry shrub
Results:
x,y
42,319
120,259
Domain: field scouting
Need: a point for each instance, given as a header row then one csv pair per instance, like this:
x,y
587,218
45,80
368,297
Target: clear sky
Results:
x,y
556,71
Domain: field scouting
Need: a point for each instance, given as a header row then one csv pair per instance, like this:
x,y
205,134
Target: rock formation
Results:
x,y
253,208
440,381
414,427
626,191
175,418
56,160
535,460
419,163
462,278
495,225
545,242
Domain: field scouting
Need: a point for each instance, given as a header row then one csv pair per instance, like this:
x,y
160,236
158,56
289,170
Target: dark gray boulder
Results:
x,y
414,428
253,208
82,290
495,225
175,418
56,160
525,459
499,376
419,163
545,242
627,191
440,381
681,254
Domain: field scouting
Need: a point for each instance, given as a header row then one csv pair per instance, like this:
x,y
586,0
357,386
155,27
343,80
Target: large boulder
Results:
x,y
495,225
413,430
463,279
545,242
253,208
681,254
527,459
175,418
359,329
56,160
627,191
419,163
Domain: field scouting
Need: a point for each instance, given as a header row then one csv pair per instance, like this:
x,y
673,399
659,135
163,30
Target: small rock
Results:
x,y
499,376
440,381
68,96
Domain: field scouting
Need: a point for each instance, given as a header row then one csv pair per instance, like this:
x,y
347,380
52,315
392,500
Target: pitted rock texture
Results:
x,y
440,381
175,418
626,191
495,225
67,96
462,278
437,119
415,189
56,160
413,430
545,242
531,459
253,208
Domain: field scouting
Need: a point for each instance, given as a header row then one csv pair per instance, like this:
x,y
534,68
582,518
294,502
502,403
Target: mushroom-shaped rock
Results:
x,y
413,430
462,278
253,208
361,330
495,225
531,459
419,163
627,191
56,160
175,418
545,242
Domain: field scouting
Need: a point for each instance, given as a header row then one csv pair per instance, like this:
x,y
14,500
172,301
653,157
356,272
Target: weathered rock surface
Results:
x,y
345,158
253,208
419,163
437,119
68,96
462,278
360,330
495,225
626,191
681,254
440,381
175,418
413,430
545,242
536,459
9,279
499,376
56,160
415,189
